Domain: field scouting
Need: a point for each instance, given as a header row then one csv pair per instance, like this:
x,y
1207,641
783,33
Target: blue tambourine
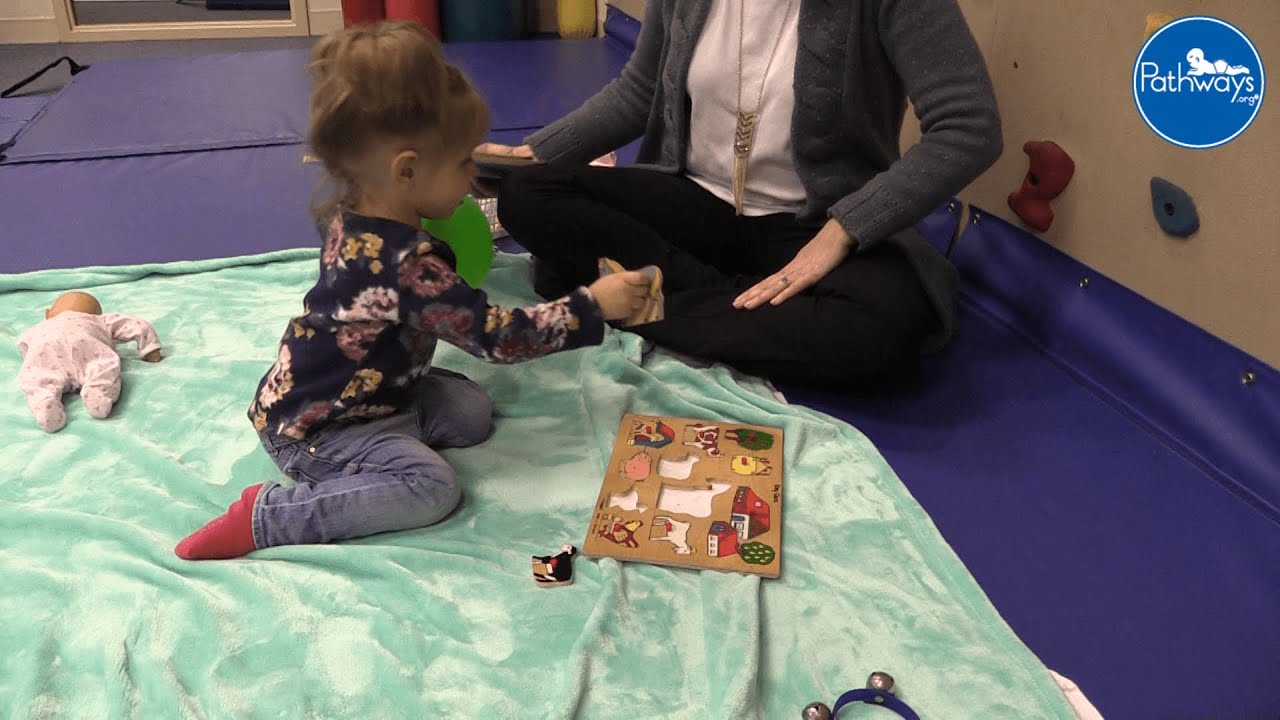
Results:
x,y
879,691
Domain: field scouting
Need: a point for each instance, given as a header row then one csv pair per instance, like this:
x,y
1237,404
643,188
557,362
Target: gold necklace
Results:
x,y
744,135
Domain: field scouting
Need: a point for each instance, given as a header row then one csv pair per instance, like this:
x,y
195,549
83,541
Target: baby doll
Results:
x,y
75,347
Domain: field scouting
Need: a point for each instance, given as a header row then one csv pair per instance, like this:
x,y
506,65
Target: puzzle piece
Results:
x,y
637,467
653,309
673,531
549,570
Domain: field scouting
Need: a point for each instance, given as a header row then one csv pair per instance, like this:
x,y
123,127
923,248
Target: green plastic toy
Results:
x,y
467,233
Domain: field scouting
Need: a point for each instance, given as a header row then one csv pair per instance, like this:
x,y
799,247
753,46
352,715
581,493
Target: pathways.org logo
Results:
x,y
1198,82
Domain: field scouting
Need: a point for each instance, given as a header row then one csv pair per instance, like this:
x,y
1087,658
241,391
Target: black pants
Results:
x,y
859,326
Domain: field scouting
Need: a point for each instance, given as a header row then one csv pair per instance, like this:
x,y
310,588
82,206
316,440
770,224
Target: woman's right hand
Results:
x,y
621,295
523,151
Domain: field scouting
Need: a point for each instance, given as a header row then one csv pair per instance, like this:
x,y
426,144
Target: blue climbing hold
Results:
x,y
1174,209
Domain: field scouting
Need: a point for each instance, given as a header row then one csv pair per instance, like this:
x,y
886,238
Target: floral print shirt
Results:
x,y
386,293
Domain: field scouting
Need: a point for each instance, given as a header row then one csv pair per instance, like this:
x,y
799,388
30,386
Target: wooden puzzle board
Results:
x,y
703,494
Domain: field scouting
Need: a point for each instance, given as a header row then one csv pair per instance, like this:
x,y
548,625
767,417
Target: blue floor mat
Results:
x,y
121,108
1135,558
257,99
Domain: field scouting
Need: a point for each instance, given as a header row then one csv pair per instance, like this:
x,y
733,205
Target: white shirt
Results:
x,y
772,183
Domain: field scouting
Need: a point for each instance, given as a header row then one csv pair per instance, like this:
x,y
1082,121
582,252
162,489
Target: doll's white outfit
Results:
x,y
77,350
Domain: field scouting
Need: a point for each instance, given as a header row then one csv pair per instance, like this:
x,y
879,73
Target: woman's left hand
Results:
x,y
818,257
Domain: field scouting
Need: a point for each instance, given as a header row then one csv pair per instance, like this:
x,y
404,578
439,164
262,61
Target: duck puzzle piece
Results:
x,y
1174,209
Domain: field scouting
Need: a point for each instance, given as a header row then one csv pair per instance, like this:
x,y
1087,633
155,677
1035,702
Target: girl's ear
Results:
x,y
402,165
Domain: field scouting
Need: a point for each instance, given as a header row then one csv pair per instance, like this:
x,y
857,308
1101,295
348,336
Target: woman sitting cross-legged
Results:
x,y
769,187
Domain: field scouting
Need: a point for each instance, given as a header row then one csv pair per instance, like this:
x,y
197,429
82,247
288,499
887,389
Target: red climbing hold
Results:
x,y
1051,170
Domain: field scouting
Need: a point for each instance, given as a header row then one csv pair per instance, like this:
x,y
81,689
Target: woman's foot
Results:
x,y
226,536
548,282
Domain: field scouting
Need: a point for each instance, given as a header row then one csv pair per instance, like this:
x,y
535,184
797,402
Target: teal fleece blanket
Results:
x,y
101,620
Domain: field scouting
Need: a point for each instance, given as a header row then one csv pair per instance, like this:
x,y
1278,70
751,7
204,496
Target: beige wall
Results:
x,y
27,21
1072,85
634,8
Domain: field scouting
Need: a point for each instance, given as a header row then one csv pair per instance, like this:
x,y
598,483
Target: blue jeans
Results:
x,y
373,477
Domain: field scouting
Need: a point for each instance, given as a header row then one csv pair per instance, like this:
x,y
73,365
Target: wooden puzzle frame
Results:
x,y
692,493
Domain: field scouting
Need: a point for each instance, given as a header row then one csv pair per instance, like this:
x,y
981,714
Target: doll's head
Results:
x,y
74,302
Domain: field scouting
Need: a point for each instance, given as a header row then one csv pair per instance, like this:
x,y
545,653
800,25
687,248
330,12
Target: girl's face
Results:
x,y
441,182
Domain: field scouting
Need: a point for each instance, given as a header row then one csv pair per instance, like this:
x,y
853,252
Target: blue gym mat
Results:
x,y
214,102
1105,472
120,108
15,114
156,208
1101,466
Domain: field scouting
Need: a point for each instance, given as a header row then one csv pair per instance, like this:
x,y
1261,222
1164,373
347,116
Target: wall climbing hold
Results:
x,y
1051,169
1174,209
1155,21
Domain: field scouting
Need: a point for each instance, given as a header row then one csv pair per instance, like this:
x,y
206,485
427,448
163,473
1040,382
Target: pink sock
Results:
x,y
226,536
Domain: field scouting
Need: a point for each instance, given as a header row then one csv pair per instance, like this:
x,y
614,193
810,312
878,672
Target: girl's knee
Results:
x,y
455,411
437,495
476,421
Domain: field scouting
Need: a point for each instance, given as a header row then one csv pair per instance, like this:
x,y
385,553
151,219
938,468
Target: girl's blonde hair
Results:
x,y
386,80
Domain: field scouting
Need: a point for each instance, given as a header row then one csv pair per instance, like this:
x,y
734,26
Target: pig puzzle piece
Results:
x,y
653,309
1174,209
1051,169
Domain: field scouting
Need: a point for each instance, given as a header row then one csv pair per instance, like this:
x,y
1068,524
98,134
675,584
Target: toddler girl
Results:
x,y
352,409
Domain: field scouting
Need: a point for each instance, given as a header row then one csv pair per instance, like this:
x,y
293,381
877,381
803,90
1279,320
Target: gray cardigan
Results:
x,y
858,62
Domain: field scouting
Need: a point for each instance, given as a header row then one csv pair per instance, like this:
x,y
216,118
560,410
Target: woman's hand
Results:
x,y
818,257
523,151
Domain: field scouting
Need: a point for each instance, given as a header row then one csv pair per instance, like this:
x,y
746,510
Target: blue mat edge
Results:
x,y
621,28
1194,399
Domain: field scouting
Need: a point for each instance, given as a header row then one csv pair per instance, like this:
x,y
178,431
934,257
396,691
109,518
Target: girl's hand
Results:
x,y
818,257
620,295
523,151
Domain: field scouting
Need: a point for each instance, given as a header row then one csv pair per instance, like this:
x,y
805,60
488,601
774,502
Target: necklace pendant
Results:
x,y
744,138
744,135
